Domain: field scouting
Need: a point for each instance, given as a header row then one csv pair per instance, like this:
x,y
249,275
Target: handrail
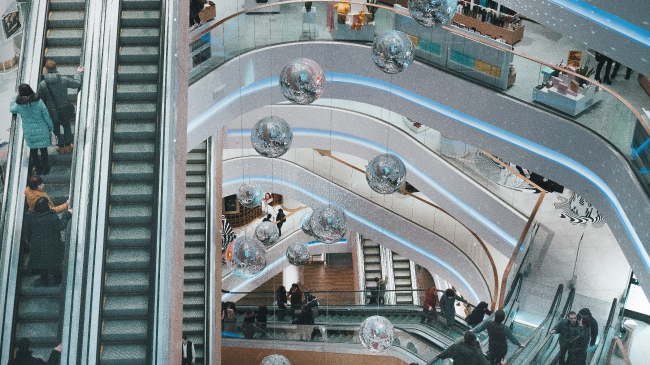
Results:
x,y
610,320
450,29
480,241
617,341
550,342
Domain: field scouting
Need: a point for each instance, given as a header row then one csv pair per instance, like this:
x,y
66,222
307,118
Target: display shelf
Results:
x,y
645,83
511,79
510,36
569,104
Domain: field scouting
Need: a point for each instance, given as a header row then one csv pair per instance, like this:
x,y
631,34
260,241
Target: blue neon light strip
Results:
x,y
410,167
268,268
365,222
457,116
606,19
636,152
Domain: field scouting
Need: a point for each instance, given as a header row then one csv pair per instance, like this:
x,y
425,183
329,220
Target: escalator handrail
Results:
x,y
551,342
598,353
537,334
13,200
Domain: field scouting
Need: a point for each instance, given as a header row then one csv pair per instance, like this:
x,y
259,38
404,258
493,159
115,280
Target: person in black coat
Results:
x,y
590,322
476,317
24,355
42,229
280,218
567,329
195,8
281,297
248,328
262,312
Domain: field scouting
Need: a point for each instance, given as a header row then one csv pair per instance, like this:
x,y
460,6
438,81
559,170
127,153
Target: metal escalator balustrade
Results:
x,y
194,308
127,289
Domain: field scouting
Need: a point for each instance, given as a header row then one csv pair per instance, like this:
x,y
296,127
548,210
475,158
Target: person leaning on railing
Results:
x,y
35,190
467,352
498,333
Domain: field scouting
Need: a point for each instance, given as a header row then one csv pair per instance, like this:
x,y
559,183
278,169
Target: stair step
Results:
x,y
130,214
64,5
123,354
132,171
193,276
131,193
403,282
195,180
64,37
138,54
194,252
192,239
194,263
140,18
140,36
137,130
31,308
65,19
133,151
129,236
128,110
196,158
124,330
126,306
370,251
38,331
137,73
194,227
126,282
196,192
127,259
374,268
137,92
141,4
63,55
195,169
401,265
193,314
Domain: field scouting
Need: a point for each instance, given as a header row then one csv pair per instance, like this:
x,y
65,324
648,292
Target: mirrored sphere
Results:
x,y
298,254
246,257
302,81
432,13
275,360
305,225
376,333
271,136
267,233
250,194
386,173
393,52
329,223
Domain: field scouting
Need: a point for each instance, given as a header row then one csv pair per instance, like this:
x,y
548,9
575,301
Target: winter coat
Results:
x,y
37,124
565,330
282,299
447,308
262,314
431,299
57,99
33,195
28,359
195,7
477,315
464,354
43,231
296,298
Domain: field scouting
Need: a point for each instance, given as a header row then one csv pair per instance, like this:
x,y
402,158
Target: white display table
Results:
x,y
569,104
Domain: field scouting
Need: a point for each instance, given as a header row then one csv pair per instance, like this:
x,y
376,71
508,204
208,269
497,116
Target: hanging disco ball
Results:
x,y
432,13
386,173
298,254
250,194
246,257
271,137
305,225
275,360
393,52
267,233
376,333
302,81
329,223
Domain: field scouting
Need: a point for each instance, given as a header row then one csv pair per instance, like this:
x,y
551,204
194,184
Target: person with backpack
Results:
x,y
37,126
498,333
54,91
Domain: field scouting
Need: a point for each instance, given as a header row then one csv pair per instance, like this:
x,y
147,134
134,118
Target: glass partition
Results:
x,y
458,52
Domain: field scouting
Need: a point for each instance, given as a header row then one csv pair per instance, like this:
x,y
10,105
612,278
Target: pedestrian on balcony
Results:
x,y
37,126
281,298
280,219
296,299
498,333
54,91
429,312
477,315
447,306
262,313
42,229
248,327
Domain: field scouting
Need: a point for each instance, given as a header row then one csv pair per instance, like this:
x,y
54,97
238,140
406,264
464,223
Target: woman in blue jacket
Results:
x,y
37,126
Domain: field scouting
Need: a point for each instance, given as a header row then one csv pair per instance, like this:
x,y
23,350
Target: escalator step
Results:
x,y
193,314
60,174
374,268
126,282
370,251
133,151
137,92
195,215
403,282
196,192
33,308
195,180
193,327
196,158
123,355
140,4
138,54
140,18
132,171
195,169
401,265
194,251
127,259
371,259
194,227
131,193
194,238
129,236
126,130
119,330
65,19
38,331
64,37
126,306
193,276
130,214
131,111
397,257
402,274
63,5
370,243
193,300
193,288
195,203
140,36
194,264
63,55
137,73
59,193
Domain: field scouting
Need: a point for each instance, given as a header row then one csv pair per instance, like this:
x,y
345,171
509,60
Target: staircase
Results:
x,y
372,264
402,273
195,244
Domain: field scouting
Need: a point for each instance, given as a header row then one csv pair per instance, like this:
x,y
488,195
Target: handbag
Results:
x,y
53,139
65,113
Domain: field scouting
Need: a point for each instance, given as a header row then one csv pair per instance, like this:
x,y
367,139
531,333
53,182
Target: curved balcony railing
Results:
x,y
450,48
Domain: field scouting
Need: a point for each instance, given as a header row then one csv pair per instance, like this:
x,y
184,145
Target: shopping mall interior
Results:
x,y
356,154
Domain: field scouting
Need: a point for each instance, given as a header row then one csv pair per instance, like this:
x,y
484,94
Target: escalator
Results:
x,y
39,309
403,280
127,291
372,264
194,309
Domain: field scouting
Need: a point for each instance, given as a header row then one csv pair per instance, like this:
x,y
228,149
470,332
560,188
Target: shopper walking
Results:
x,y
54,91
467,352
280,218
195,9
477,315
42,229
447,306
35,190
188,354
498,334
567,329
281,298
429,312
579,343
37,126
602,59
24,355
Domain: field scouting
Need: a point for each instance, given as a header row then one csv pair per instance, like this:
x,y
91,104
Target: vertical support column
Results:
x,y
414,283
352,241
214,207
360,273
